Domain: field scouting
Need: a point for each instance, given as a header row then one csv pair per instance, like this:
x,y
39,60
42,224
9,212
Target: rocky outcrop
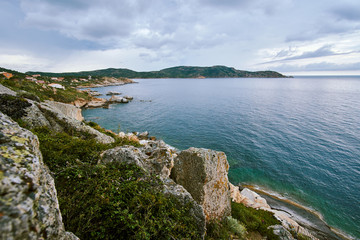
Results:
x,y
67,109
116,99
48,115
109,81
29,208
96,102
156,157
80,102
112,93
254,200
203,173
5,90
251,199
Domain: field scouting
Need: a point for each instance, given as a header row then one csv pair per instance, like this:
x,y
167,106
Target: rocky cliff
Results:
x,y
29,207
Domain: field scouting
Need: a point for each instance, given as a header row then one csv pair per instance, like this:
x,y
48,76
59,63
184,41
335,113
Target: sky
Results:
x,y
290,36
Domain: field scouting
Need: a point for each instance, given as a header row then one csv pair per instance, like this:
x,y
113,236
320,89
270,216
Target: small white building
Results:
x,y
56,85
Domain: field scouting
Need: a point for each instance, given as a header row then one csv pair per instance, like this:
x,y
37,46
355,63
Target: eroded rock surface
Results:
x,y
29,208
154,157
203,173
47,114
67,109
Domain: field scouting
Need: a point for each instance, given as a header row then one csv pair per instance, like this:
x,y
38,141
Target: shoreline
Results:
x,y
303,215
299,213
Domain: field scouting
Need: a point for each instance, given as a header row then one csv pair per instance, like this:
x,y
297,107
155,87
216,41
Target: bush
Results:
x,y
61,150
235,227
255,220
13,106
217,230
110,201
120,202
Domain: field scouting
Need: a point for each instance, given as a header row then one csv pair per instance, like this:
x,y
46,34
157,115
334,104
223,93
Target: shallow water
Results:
x,y
299,137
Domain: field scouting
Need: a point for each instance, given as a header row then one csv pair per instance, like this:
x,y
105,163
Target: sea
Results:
x,y
298,138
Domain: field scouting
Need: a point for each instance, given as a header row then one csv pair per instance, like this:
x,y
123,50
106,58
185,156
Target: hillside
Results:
x,y
174,72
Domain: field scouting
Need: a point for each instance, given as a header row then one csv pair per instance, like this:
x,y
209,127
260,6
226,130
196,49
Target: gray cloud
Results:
x,y
348,12
178,31
323,66
324,51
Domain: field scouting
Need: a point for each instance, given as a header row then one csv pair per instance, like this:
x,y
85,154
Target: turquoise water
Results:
x,y
299,137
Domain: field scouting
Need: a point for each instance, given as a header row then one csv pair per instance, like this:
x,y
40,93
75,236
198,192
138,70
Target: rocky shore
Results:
x,y
196,177
109,81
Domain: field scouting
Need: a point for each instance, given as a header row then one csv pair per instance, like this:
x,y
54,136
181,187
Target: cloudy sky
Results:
x,y
290,36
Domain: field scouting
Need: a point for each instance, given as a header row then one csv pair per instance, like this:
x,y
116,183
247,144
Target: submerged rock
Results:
x,y
203,173
28,205
128,98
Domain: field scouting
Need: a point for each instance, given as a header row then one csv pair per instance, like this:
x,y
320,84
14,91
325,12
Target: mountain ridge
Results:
x,y
172,72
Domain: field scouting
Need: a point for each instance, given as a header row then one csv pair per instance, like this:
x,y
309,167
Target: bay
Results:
x,y
298,137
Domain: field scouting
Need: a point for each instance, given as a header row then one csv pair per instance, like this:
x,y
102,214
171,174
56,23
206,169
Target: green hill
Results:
x,y
174,72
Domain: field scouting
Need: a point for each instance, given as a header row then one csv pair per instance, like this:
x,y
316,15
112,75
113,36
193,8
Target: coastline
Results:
x,y
299,213
308,218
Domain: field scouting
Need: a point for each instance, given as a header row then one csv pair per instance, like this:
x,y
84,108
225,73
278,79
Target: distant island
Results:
x,y
174,72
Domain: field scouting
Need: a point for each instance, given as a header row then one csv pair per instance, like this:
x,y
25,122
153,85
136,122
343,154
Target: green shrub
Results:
x,y
255,220
235,227
13,106
28,95
61,150
217,230
110,201
301,236
120,202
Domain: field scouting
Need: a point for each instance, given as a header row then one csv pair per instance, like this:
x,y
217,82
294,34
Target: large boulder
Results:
x,y
154,157
29,207
203,173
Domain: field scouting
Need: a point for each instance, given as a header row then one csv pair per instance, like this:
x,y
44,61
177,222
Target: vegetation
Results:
x,y
120,202
13,106
112,201
42,91
174,72
255,220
